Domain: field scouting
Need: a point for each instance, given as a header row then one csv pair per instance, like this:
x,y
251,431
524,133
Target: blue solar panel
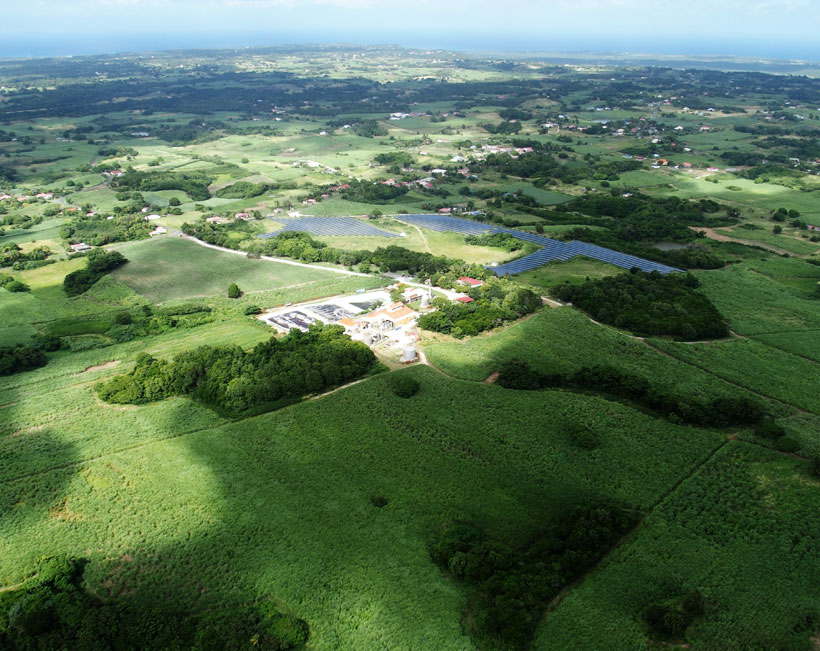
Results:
x,y
550,250
330,226
442,223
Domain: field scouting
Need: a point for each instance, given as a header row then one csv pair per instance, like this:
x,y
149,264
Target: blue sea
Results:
x,y
79,44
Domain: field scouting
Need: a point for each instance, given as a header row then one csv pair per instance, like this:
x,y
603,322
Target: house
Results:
x,y
151,218
445,211
464,299
159,230
79,247
439,171
472,282
241,215
216,219
44,195
411,294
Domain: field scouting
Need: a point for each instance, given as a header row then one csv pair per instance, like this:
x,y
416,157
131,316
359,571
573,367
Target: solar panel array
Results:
x,y
330,226
442,223
551,249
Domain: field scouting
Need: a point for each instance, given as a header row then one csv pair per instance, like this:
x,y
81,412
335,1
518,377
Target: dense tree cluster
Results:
x,y
371,192
243,190
511,586
236,382
98,230
54,610
11,255
194,184
494,303
669,620
11,285
641,218
499,240
98,264
718,412
648,304
16,359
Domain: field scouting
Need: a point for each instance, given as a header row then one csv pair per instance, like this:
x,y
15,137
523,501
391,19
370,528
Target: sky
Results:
x,y
756,28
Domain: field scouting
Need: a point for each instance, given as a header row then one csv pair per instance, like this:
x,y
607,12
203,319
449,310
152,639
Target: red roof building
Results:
x,y
472,282
464,299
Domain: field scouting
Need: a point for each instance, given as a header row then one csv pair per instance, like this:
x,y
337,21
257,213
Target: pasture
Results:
x,y
169,503
173,268
746,513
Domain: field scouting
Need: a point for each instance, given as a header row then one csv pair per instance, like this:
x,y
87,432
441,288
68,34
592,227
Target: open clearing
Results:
x,y
174,268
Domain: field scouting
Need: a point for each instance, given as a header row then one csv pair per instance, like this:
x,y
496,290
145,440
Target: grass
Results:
x,y
563,340
770,295
171,268
169,503
756,366
575,271
746,508
765,236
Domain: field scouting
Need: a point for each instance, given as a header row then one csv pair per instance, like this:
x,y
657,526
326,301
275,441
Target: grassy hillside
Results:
x,y
194,510
173,268
747,513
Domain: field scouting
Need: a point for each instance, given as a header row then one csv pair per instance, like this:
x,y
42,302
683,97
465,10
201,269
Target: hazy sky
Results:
x,y
751,27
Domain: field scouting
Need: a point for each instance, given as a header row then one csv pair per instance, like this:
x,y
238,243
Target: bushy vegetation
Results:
x,y
11,285
195,185
11,255
98,264
16,359
237,382
501,240
649,304
510,586
494,303
242,190
52,609
717,412
98,230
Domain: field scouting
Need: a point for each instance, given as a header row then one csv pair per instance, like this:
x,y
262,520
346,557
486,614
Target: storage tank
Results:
x,y
425,301
409,355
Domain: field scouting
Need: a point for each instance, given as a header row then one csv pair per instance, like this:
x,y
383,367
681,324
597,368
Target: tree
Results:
x,y
777,229
234,291
173,201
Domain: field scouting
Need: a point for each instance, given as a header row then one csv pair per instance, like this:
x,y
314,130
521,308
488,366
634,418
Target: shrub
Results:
x,y
288,632
16,359
252,309
404,386
17,286
584,438
769,429
814,466
234,291
123,318
786,444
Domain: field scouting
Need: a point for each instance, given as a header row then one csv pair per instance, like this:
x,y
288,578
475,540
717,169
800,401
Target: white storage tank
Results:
x,y
409,355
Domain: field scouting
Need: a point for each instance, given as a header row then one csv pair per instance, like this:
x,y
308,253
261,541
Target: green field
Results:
x,y
170,268
329,508
280,504
765,296
746,513
563,340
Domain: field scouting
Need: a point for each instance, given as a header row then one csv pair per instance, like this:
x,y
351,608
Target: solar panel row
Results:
x,y
551,249
442,223
330,226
